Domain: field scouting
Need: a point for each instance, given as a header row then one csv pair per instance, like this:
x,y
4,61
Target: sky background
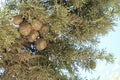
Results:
x,y
110,42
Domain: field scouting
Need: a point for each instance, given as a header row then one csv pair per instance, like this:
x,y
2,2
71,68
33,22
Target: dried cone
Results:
x,y
17,19
45,30
41,44
25,28
36,25
33,35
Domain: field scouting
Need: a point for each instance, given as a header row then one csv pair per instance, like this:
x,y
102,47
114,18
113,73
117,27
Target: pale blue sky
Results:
x,y
112,40
112,44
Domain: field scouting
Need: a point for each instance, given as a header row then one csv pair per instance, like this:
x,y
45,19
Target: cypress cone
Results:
x,y
33,35
45,30
25,28
17,19
41,44
92,64
36,25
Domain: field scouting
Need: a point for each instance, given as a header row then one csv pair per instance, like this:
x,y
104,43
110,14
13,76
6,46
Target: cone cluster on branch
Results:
x,y
32,31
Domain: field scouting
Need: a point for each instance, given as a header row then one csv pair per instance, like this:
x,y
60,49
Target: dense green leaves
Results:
x,y
75,27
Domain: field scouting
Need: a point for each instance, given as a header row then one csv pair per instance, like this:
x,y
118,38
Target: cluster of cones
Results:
x,y
32,31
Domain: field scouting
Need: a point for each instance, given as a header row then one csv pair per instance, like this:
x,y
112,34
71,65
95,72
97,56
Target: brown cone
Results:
x,y
25,28
33,35
36,25
40,44
17,19
45,30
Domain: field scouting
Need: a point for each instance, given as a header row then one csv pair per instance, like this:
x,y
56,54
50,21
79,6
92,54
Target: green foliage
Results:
x,y
8,33
73,37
